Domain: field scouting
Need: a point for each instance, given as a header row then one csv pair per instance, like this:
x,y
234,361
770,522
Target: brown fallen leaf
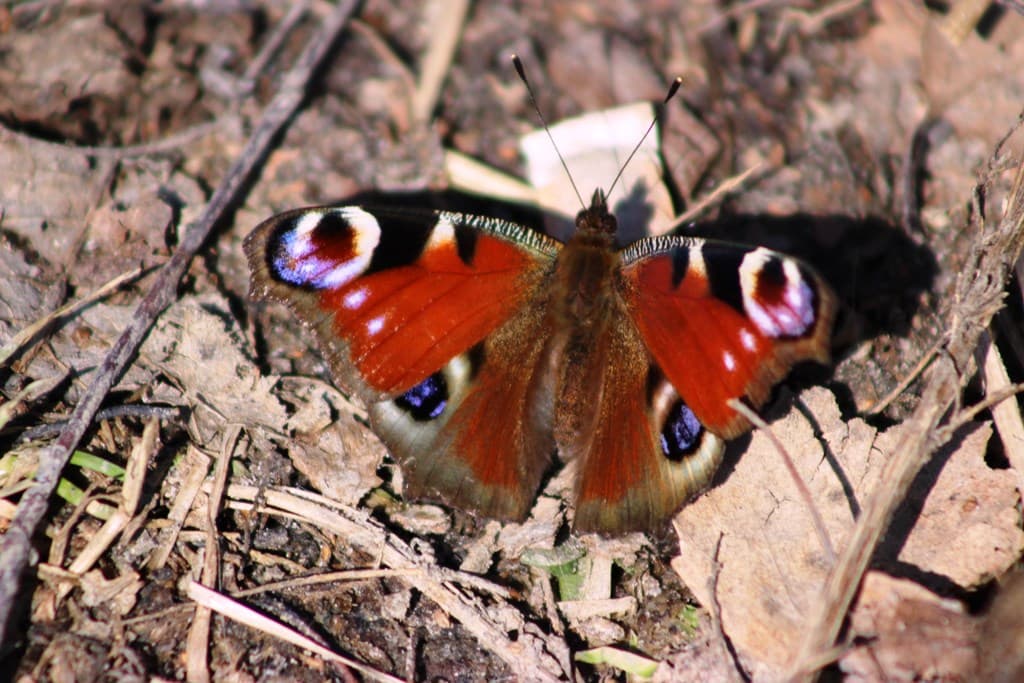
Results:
x,y
772,564
909,634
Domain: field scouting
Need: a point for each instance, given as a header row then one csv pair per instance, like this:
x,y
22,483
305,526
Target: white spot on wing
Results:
x,y
443,233
375,325
307,224
354,298
748,340
729,361
696,263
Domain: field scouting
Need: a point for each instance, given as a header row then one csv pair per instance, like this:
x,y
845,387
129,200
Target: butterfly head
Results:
x,y
595,220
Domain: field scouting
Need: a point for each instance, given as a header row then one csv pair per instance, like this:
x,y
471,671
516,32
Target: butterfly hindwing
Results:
x,y
487,442
643,453
724,321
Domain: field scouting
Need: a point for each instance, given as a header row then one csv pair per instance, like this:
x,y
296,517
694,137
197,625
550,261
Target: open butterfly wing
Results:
x,y
404,306
644,454
479,434
394,295
724,321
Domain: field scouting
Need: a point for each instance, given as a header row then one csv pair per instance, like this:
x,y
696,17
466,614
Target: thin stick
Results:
x,y
914,373
437,61
272,44
715,610
26,334
993,400
17,542
172,143
729,186
222,604
196,666
1006,415
143,411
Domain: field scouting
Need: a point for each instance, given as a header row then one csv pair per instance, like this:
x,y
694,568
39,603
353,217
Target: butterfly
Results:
x,y
482,347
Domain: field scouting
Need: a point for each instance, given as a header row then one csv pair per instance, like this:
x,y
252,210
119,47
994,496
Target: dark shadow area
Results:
x,y
877,271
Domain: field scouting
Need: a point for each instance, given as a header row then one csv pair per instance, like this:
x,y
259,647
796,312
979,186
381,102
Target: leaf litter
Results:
x,y
746,550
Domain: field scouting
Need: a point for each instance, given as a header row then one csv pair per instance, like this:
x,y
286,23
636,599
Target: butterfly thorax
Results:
x,y
584,271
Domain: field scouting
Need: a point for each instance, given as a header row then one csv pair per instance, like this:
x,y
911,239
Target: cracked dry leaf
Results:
x,y
772,563
966,524
22,299
82,343
336,453
204,356
37,205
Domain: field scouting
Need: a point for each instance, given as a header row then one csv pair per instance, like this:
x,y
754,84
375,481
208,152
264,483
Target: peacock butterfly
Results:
x,y
482,346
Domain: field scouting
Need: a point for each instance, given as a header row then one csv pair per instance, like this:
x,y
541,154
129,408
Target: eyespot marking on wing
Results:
x,y
323,248
427,400
777,296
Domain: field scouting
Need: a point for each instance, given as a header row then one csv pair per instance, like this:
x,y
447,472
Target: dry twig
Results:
x,y
197,670
437,61
211,600
362,533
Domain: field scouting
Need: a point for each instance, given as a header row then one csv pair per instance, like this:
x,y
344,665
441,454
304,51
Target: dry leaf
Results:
x,y
969,528
595,147
336,453
772,563
908,634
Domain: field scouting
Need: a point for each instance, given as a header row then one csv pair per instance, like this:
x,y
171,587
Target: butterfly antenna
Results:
x,y
518,64
672,90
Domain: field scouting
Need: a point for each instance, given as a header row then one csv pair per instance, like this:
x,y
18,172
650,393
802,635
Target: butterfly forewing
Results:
x,y
393,295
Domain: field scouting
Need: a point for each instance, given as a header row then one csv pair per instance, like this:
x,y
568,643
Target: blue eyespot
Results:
x,y
427,400
681,433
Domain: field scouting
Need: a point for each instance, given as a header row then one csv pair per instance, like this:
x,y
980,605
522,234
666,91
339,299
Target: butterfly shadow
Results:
x,y
879,275
878,272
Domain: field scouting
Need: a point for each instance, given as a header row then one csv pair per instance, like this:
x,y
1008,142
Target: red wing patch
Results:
x,y
703,310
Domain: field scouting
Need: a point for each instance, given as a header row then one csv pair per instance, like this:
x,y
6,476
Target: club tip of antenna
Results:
x,y
674,88
518,64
